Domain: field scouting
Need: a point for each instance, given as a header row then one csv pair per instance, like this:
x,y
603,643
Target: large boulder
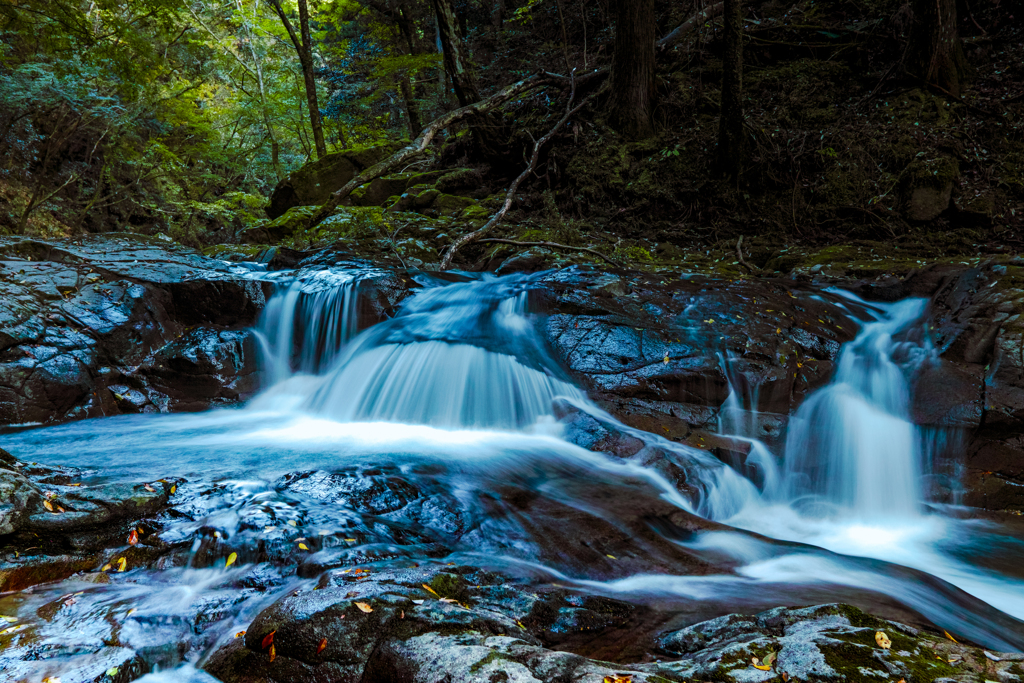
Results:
x,y
314,182
85,324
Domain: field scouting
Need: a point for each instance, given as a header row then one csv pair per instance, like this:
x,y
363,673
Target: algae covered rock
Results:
x,y
315,181
929,188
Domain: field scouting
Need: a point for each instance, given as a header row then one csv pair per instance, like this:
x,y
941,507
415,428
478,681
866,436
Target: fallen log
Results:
x,y
420,144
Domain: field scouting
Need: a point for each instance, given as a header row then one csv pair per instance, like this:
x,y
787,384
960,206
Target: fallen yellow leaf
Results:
x,y
105,568
363,607
122,564
272,652
429,589
756,663
239,634
619,678
303,546
883,640
231,560
48,505
174,487
950,637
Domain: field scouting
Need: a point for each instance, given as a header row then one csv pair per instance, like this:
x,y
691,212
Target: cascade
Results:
x,y
852,445
304,327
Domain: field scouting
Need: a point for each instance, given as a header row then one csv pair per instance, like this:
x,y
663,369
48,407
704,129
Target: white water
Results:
x,y
459,384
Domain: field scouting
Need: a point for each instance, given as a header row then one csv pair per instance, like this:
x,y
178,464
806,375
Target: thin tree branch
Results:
x,y
510,195
699,18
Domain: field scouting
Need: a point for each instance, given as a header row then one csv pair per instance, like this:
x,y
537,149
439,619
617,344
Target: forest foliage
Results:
x,y
180,116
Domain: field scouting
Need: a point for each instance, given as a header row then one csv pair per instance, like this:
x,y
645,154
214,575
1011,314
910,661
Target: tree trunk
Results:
x,y
455,61
304,48
730,126
412,108
633,69
935,53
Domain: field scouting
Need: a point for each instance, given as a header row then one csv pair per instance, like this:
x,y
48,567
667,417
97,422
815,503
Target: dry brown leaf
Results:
x,y
48,505
785,676
268,640
364,607
149,488
322,646
882,640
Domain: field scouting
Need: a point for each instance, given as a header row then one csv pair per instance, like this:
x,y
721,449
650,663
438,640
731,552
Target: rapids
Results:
x,y
454,396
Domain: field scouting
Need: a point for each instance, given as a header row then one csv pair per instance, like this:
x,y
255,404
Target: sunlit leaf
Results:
x,y
112,671
122,564
268,640
174,487
322,646
133,538
363,607
231,560
9,620
303,546
106,568
883,640
610,557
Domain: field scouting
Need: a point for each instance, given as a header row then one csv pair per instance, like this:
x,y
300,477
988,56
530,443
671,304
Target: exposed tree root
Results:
x,y
743,261
551,245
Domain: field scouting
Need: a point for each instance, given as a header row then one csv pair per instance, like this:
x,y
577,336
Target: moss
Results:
x,y
450,586
476,212
491,657
460,179
451,205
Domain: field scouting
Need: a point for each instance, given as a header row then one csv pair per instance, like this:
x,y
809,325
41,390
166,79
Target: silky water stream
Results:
x,y
432,437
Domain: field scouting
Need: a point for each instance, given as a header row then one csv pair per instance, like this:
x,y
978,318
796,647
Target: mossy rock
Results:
x,y
460,180
283,227
476,213
928,187
451,205
377,192
426,199
315,181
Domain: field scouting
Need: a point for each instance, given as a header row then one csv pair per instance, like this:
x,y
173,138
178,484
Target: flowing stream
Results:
x,y
452,398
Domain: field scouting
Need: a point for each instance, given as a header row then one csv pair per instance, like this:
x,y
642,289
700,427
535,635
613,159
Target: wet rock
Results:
x,y
17,497
823,643
667,353
325,634
928,187
77,318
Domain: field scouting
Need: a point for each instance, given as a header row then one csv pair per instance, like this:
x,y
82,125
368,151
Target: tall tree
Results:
x,y
456,62
632,77
304,47
934,53
730,125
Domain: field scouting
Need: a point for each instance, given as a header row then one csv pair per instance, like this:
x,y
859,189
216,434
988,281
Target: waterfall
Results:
x,y
851,444
306,326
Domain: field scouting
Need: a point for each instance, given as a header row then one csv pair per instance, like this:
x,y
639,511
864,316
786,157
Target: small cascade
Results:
x,y
852,445
305,327
461,356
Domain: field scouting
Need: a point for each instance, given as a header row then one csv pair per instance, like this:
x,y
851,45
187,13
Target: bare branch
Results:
x,y
510,195
699,18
